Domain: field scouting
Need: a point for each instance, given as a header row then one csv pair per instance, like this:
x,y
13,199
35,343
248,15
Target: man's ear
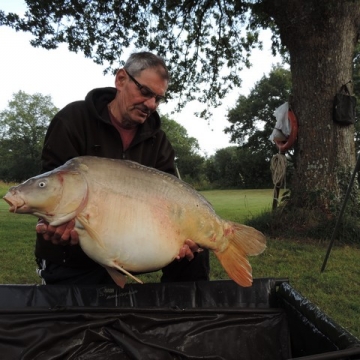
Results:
x,y
120,78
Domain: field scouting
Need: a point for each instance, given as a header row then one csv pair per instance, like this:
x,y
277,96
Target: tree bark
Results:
x,y
321,37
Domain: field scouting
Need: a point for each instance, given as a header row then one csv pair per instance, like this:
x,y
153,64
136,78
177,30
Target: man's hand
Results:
x,y
63,234
188,250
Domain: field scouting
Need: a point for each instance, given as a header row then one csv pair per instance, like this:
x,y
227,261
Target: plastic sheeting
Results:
x,y
209,320
203,320
312,331
208,294
86,333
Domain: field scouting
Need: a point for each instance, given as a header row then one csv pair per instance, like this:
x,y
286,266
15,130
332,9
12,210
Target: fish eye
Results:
x,y
42,184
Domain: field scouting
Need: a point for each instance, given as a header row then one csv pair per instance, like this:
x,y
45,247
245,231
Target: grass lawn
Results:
x,y
336,291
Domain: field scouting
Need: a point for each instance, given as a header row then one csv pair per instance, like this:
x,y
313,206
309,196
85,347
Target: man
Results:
x,y
120,123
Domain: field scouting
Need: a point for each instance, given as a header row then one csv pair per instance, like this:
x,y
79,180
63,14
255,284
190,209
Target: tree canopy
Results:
x,y
205,43
22,131
238,168
189,162
252,118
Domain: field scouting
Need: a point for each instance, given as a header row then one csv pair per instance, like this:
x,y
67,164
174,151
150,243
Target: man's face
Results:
x,y
132,106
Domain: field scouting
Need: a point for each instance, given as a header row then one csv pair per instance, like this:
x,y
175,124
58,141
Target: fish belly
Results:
x,y
136,236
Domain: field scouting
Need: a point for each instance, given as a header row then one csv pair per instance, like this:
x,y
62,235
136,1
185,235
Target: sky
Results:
x,y
67,77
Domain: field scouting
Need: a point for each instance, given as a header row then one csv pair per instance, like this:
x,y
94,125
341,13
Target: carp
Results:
x,y
132,218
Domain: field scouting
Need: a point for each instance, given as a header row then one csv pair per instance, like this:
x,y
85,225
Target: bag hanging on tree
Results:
x,y
344,107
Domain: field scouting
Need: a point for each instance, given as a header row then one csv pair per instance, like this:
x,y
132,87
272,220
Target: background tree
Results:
x,y
205,44
356,77
253,121
238,168
22,130
252,117
189,162
321,39
224,169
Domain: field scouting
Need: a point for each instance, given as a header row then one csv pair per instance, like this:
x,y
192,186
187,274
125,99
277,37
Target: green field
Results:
x,y
336,291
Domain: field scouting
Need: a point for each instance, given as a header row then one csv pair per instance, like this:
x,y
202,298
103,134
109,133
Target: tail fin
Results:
x,y
243,241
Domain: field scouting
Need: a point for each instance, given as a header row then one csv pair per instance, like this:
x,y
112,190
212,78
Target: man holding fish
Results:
x,y
118,123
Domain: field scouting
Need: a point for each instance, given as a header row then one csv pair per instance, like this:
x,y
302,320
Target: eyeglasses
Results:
x,y
146,92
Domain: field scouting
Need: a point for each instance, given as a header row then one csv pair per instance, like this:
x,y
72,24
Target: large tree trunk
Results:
x,y
320,37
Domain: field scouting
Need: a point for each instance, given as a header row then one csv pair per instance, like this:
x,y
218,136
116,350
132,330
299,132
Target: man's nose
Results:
x,y
151,103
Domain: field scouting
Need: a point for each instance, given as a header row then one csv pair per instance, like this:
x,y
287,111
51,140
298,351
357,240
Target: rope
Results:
x,y
278,171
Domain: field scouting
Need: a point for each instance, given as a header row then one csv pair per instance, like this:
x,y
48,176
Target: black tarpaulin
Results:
x,y
202,320
83,333
312,332
213,294
209,320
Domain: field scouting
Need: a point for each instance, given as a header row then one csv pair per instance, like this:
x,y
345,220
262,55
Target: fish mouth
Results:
x,y
15,204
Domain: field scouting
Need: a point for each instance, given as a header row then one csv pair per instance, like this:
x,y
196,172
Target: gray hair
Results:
x,y
140,61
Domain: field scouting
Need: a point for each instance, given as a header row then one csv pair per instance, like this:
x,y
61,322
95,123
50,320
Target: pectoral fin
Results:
x,y
119,278
127,273
92,233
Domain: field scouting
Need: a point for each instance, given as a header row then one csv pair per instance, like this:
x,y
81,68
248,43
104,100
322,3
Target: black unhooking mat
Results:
x,y
205,320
